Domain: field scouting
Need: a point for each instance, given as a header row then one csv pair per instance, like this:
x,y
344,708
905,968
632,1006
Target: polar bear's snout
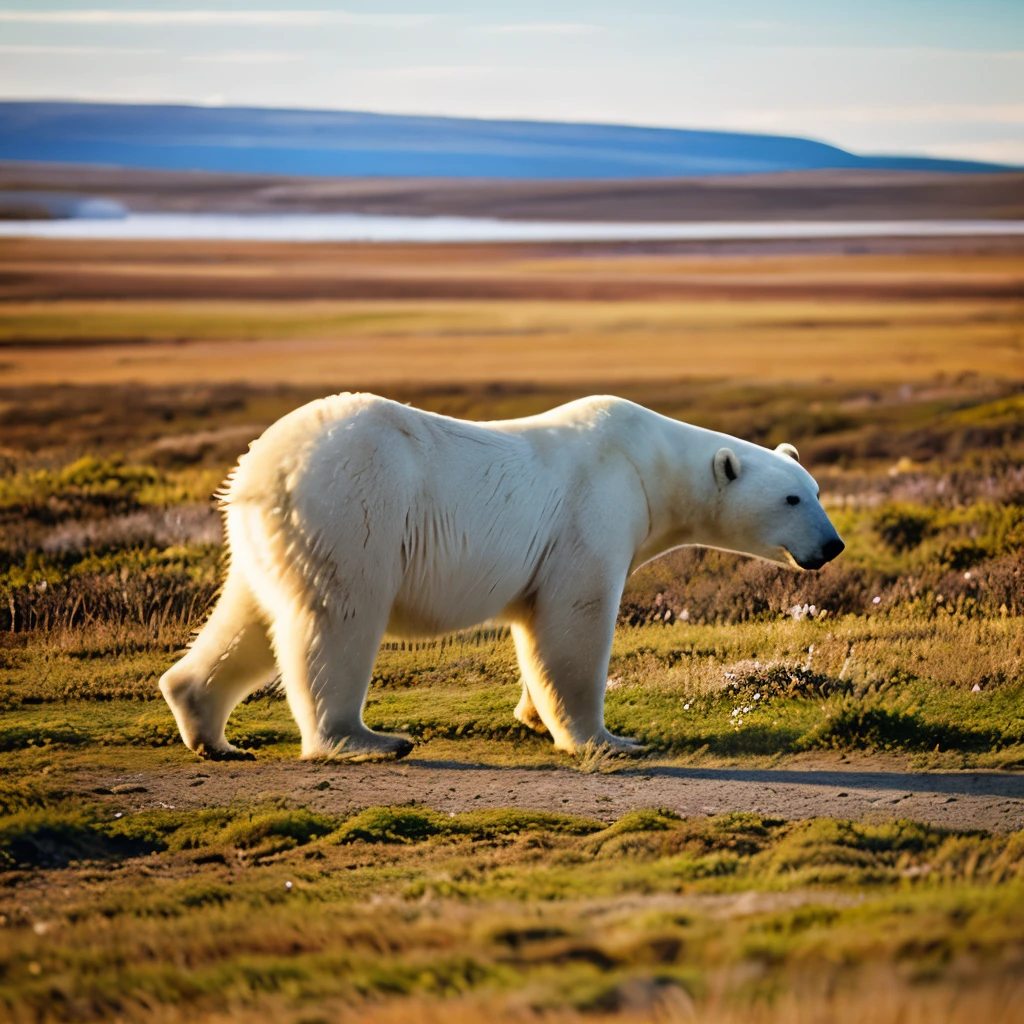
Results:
x,y
816,541
832,548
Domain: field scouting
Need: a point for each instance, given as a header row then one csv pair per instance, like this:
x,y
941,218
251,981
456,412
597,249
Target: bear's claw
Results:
x,y
363,749
401,748
223,753
624,745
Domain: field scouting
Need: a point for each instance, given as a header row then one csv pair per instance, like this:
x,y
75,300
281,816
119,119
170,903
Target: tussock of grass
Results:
x,y
19,737
826,850
659,820
47,838
415,824
23,794
854,726
48,834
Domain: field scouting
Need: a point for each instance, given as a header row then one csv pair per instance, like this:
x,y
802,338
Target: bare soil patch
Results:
x,y
858,790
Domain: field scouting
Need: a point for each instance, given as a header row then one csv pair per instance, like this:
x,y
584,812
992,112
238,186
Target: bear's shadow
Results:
x,y
948,783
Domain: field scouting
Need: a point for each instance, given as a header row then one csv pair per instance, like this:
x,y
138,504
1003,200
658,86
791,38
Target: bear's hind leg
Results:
x,y
326,667
230,658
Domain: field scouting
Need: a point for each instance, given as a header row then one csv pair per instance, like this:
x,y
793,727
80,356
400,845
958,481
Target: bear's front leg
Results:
x,y
563,650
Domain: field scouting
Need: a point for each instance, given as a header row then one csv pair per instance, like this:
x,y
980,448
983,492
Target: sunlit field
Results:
x,y
488,876
387,316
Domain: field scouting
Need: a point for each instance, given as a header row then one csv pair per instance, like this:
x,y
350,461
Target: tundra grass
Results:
x,y
89,323
274,909
893,682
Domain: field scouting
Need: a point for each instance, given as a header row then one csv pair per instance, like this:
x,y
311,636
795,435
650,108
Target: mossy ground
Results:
x,y
272,910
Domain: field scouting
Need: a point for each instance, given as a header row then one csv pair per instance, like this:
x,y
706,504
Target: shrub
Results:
x,y
902,527
854,726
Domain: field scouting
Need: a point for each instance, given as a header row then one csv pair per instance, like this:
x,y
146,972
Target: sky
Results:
x,y
937,78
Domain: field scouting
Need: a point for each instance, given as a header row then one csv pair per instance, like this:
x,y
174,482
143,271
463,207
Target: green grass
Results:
x,y
158,907
891,682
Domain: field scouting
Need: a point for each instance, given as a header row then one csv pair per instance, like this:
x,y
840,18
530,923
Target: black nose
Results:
x,y
833,549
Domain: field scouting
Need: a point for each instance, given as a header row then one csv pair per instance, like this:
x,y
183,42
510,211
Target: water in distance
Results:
x,y
345,227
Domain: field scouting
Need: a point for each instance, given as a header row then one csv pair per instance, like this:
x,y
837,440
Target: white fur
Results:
x,y
355,516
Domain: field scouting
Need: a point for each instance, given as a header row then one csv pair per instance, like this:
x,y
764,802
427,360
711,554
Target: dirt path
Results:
x,y
960,800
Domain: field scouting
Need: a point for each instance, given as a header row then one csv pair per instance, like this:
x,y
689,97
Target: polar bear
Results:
x,y
355,516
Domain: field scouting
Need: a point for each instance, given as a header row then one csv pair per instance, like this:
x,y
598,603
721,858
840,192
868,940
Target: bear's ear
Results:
x,y
727,467
788,449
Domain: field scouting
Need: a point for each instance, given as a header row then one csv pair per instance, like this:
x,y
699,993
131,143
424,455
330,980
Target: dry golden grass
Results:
x,y
347,316
885,1000
361,344
889,1001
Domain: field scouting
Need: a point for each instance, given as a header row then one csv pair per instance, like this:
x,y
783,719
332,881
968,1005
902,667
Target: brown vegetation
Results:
x,y
795,195
373,316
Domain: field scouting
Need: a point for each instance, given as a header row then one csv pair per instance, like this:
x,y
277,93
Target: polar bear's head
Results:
x,y
768,506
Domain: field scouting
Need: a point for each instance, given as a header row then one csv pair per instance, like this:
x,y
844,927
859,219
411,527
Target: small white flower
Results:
x,y
967,575
757,696
745,710
686,707
119,815
287,885
735,712
876,600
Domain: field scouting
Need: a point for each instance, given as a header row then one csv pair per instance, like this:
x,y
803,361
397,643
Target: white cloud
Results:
x,y
960,113
425,73
274,18
1006,151
244,57
102,51
549,28
860,50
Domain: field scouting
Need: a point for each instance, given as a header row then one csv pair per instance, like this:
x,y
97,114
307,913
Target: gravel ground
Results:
x,y
958,800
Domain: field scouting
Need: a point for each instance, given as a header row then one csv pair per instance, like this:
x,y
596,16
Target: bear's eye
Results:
x,y
793,499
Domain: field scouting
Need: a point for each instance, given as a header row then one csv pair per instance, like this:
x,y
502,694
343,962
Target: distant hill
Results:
x,y
337,143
